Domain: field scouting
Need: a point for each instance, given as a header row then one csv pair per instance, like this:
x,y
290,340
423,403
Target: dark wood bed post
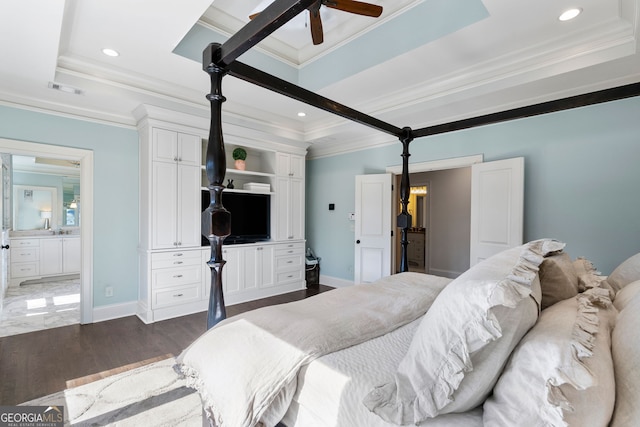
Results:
x,y
215,220
404,218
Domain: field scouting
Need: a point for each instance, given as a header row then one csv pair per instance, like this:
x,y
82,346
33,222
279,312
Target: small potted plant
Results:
x,y
239,155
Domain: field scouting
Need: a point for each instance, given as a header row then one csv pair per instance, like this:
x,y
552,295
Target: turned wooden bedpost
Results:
x,y
404,218
216,220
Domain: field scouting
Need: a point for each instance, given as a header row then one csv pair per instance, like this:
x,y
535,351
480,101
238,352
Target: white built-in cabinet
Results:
x,y
43,256
174,277
175,189
258,270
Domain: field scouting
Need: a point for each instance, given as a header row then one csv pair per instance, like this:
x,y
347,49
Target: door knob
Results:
x,y
358,242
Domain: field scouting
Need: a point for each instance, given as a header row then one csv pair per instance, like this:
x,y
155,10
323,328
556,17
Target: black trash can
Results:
x,y
312,275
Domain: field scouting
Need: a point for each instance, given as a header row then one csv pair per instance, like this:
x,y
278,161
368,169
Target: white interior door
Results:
x,y
497,207
372,227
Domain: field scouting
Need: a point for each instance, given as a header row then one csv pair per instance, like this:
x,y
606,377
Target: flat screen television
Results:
x,y
250,216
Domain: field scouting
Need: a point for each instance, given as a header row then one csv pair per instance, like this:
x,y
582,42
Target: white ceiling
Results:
x,y
518,54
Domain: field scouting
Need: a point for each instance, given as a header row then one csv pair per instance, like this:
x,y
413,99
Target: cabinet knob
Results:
x,y
5,246
175,159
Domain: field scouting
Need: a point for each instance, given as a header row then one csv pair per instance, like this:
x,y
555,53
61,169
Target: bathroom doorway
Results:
x,y
51,283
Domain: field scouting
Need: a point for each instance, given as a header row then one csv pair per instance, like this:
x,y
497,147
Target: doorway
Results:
x,y
71,229
418,233
445,213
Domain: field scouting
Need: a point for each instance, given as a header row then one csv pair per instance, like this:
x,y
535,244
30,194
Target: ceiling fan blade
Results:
x,y
357,7
316,25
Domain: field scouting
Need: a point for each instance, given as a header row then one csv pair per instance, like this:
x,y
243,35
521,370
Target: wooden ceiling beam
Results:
x,y
273,17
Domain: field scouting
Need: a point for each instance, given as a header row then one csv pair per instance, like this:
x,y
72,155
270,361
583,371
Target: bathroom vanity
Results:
x,y
36,255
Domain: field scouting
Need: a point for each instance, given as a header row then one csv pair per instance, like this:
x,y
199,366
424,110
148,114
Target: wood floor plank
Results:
x,y
39,363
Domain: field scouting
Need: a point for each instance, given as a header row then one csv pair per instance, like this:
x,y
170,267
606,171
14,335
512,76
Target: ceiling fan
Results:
x,y
351,6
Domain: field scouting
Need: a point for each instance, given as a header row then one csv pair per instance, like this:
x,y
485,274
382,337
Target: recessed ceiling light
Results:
x,y
110,52
569,14
302,114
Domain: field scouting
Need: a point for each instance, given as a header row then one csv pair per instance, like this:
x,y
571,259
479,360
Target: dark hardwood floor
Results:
x,y
39,363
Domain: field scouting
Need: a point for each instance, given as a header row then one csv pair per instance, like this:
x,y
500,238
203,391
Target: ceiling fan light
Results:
x,y
569,14
302,114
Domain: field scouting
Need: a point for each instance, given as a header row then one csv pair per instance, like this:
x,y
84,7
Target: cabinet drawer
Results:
x,y
175,259
24,254
289,276
177,295
25,243
289,251
288,262
294,245
24,269
165,277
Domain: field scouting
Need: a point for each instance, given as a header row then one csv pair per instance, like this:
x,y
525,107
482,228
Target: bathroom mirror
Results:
x,y
34,208
61,175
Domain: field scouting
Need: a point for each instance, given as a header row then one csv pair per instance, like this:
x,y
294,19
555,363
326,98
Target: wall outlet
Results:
x,y
108,291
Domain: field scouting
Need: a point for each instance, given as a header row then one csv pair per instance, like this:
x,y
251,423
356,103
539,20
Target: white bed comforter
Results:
x,y
245,368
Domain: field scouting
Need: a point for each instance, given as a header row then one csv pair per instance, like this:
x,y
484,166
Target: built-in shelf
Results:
x,y
246,172
238,190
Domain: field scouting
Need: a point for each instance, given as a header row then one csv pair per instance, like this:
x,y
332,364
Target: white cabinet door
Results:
x,y
188,206
296,205
50,256
165,145
189,149
296,166
71,259
259,260
282,164
232,272
282,208
164,210
289,208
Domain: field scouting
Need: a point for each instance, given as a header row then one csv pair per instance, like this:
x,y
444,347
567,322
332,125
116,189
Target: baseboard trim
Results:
x,y
114,311
335,282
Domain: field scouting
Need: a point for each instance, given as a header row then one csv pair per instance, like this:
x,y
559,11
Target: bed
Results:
x,y
529,333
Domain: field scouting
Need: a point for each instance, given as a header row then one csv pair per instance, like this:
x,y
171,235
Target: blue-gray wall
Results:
x,y
581,181
115,257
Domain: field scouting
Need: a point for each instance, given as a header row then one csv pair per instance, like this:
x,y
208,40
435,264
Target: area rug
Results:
x,y
152,395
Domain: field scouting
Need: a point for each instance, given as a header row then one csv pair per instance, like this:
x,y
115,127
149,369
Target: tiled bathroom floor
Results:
x,y
38,306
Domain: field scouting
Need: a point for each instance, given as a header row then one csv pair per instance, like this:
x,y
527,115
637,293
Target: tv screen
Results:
x,y
250,216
